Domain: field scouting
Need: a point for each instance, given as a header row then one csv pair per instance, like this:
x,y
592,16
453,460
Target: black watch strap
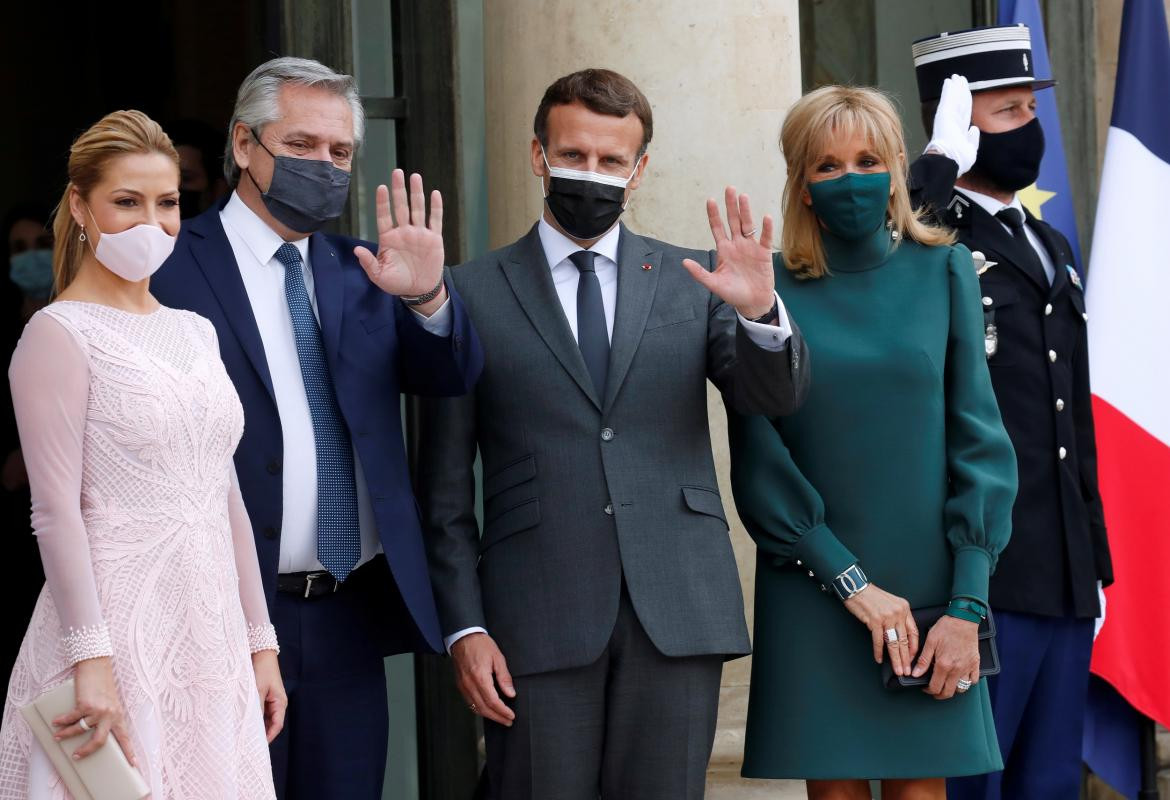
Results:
x,y
772,315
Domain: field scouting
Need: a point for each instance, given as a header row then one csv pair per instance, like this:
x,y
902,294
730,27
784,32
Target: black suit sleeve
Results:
x,y
446,495
932,182
753,380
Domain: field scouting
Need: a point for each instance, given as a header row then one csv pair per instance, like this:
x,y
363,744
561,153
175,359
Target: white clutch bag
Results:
x,y
103,775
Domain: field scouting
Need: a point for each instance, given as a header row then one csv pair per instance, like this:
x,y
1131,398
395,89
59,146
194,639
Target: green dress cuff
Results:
x,y
972,573
821,551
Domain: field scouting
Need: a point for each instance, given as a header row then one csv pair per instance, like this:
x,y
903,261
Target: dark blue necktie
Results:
x,y
592,336
339,541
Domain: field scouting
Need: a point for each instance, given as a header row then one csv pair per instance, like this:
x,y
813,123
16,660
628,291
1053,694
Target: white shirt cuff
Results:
x,y
769,337
438,323
457,635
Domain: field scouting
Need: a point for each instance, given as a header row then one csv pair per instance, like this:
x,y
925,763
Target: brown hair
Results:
x,y
602,91
116,134
820,116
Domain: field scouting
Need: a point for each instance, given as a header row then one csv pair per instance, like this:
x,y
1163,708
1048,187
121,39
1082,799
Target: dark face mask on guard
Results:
x,y
585,204
1010,160
304,193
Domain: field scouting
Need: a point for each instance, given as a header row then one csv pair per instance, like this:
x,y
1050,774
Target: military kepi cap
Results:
x,y
989,58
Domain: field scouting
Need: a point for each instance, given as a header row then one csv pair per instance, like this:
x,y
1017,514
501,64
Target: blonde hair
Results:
x,y
833,112
116,134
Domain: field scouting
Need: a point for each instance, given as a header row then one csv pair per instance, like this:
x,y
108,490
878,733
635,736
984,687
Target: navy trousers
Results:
x,y
333,746
1038,701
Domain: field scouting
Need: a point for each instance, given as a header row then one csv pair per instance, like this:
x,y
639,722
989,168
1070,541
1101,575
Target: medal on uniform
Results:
x,y
990,339
1074,277
981,262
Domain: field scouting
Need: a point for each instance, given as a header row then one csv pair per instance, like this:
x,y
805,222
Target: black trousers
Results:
x,y
333,746
634,725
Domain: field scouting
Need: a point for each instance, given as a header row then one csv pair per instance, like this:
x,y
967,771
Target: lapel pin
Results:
x,y
647,267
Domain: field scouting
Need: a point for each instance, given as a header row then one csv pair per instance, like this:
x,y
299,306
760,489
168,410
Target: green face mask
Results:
x,y
854,205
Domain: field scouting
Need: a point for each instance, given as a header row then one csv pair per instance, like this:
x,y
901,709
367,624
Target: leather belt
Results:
x,y
308,585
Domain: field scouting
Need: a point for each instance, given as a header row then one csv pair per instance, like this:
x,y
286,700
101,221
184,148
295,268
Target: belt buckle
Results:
x,y
312,576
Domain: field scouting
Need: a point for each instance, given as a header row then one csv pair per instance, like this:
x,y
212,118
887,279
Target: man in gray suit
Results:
x,y
590,622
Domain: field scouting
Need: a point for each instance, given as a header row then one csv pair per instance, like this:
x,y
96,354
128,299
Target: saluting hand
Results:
x,y
410,249
743,276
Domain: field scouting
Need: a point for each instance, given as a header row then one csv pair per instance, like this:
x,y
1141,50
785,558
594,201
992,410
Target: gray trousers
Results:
x,y
634,725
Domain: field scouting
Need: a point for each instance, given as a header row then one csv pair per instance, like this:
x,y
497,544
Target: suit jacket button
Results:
x,y
1048,310
1052,356
987,301
1059,404
607,434
274,467
609,509
1062,453
269,532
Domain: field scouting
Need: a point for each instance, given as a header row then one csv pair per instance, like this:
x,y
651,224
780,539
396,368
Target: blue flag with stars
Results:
x,y
1050,197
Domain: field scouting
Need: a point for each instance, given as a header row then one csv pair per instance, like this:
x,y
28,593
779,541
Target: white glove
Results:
x,y
1100,622
954,135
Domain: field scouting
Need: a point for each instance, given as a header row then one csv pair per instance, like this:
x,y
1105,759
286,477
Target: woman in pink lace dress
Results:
x,y
153,601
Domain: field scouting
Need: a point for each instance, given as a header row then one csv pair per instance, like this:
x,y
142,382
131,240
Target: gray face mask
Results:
x,y
304,193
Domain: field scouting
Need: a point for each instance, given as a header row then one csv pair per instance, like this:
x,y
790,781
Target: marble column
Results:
x,y
719,77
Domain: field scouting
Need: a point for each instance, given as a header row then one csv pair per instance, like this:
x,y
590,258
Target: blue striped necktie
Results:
x,y
339,542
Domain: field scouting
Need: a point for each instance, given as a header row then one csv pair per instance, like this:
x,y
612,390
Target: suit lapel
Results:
x,y
528,272
1056,253
635,296
213,253
329,288
991,235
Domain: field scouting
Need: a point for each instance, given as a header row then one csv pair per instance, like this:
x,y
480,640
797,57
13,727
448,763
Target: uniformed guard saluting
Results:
x,y
986,145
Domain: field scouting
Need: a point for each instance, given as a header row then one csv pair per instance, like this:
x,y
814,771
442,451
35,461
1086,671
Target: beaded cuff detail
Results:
x,y
88,641
262,637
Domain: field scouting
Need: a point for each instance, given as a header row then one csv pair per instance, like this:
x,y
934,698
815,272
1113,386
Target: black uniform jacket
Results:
x,y
1039,365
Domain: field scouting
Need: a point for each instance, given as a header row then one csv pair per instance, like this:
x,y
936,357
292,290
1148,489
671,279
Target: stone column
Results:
x,y
719,77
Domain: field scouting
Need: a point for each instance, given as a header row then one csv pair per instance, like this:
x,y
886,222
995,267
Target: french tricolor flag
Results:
x,y
1128,300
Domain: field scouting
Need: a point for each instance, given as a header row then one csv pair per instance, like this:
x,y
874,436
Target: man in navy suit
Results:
x,y
321,335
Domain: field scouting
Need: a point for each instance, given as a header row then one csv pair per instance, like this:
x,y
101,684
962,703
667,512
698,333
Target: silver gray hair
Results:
x,y
258,101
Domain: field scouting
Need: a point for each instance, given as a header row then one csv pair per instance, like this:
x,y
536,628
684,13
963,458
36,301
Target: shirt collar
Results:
x,y
558,247
990,204
261,240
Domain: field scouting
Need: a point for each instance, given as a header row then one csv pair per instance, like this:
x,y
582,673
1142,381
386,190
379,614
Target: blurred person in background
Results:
x,y
201,181
28,239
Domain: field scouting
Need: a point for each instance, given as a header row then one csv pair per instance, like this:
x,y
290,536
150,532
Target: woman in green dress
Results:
x,y
897,467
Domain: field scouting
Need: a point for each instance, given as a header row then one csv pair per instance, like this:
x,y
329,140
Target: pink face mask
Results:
x,y
135,253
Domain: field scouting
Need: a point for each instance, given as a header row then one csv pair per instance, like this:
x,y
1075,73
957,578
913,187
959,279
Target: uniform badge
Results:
x,y
990,339
1074,277
981,262
957,206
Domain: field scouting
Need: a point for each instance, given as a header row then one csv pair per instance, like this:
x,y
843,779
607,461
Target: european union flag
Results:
x,y
1050,197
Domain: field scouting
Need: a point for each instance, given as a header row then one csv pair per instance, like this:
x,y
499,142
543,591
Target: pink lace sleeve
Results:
x,y
261,634
49,375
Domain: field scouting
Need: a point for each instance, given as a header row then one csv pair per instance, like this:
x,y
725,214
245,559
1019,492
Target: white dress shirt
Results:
x,y
254,245
565,275
993,207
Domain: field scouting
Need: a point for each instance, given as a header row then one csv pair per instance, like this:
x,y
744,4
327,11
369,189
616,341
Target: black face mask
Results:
x,y
585,204
1010,160
304,193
